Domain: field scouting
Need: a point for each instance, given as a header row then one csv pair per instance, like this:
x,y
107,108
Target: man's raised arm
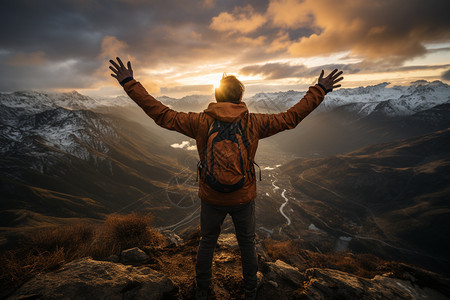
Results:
x,y
185,123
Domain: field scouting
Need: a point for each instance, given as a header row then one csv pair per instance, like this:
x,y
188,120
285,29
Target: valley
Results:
x,y
348,178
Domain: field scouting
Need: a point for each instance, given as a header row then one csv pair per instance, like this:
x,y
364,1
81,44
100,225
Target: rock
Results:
x,y
172,239
333,284
133,256
90,279
280,280
281,270
228,240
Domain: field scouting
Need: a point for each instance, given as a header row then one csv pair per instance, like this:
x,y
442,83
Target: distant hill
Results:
x,y
401,189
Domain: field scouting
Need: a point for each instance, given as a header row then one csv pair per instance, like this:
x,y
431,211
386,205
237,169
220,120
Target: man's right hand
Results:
x,y
120,71
329,83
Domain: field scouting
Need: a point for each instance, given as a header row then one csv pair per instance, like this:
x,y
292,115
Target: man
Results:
x,y
215,205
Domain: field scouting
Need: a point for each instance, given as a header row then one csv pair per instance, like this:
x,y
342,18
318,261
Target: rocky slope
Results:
x,y
167,273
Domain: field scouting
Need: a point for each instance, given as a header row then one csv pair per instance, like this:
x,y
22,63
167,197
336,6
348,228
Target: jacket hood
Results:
x,y
226,111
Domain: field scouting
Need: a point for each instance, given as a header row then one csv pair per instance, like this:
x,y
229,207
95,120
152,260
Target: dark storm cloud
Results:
x,y
46,33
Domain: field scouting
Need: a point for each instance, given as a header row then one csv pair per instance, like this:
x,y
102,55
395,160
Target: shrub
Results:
x,y
68,237
132,230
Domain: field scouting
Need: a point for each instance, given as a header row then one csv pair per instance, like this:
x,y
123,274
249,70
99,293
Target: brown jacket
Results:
x,y
196,126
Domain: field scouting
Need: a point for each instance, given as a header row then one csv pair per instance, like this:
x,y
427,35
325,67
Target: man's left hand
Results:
x,y
120,71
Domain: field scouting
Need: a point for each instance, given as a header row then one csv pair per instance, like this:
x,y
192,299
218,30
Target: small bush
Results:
x,y
131,230
69,237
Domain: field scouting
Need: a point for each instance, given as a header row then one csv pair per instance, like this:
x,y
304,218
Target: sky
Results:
x,y
182,48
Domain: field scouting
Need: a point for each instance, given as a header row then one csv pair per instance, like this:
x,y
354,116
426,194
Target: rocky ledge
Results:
x,y
167,273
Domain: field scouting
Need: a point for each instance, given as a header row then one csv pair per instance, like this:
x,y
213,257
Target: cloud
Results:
x,y
289,14
67,44
446,75
372,30
28,59
274,70
285,70
111,48
184,145
242,19
388,30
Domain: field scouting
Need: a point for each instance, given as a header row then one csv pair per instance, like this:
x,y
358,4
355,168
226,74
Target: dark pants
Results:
x,y
212,217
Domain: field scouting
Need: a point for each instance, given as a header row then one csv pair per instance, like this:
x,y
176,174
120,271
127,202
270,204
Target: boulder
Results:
x,y
280,270
133,256
280,280
333,284
90,279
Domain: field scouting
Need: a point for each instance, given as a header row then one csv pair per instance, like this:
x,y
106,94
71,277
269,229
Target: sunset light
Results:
x,y
271,43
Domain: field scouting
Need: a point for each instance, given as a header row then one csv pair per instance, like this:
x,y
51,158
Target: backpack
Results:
x,y
227,161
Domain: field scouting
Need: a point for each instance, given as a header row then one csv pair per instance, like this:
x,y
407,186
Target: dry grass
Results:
x,y
132,230
49,248
364,265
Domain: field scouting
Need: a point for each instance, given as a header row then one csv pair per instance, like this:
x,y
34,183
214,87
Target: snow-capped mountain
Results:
x,y
364,101
62,158
64,130
35,102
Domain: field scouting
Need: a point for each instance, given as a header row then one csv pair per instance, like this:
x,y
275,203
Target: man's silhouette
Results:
x,y
215,205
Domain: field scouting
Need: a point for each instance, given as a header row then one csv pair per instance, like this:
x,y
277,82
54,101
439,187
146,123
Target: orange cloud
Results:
x,y
289,14
372,29
28,59
281,42
111,48
375,30
243,20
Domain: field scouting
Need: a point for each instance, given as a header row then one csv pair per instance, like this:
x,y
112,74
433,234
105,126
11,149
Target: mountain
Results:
x,y
61,161
67,157
364,101
386,198
351,118
368,116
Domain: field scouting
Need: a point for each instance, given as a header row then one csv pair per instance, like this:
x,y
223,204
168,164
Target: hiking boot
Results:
x,y
250,294
201,294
